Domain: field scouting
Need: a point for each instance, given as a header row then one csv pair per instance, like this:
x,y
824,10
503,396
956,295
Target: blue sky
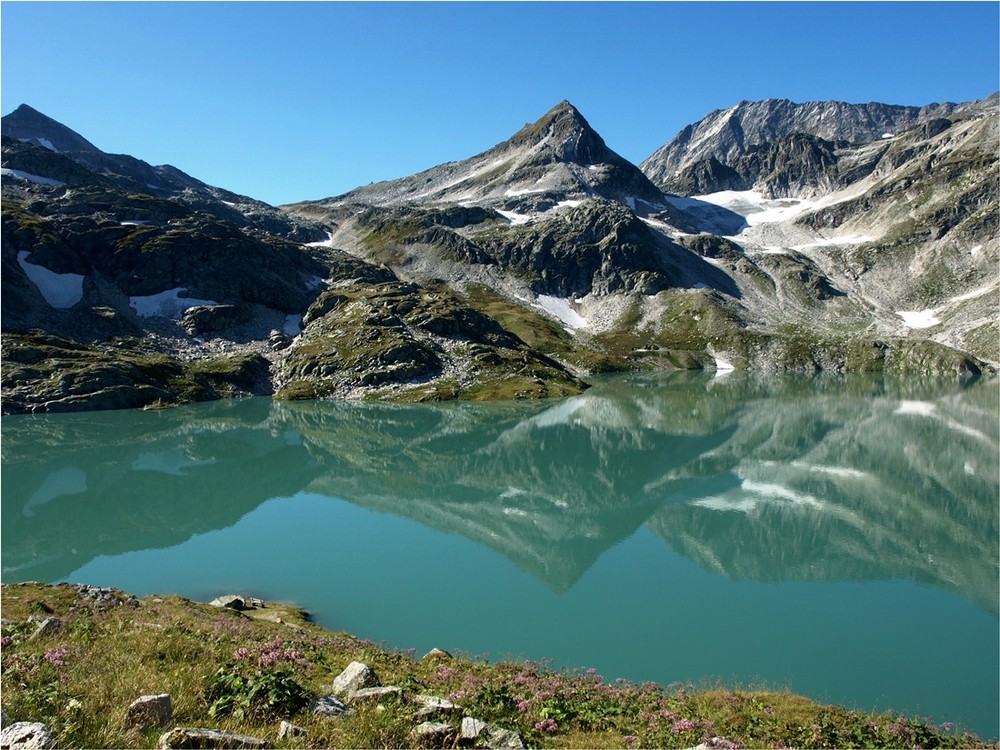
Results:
x,y
289,101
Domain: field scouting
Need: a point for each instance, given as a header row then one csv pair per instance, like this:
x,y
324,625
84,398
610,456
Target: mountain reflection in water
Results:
x,y
775,479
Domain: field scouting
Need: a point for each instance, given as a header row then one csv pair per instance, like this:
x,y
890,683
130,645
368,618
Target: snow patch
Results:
x,y
888,135
328,242
60,290
292,325
559,307
568,204
168,304
975,250
722,365
973,294
135,223
515,193
515,218
919,318
37,179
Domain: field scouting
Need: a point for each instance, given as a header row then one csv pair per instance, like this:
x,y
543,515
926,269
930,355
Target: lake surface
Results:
x,y
836,536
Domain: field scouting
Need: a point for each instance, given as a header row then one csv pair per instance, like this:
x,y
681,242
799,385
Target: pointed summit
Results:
x,y
559,157
28,124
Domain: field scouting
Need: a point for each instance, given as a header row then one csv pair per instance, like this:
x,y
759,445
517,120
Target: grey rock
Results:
x,y
330,706
287,730
355,677
202,319
4,719
374,694
26,735
430,705
150,711
472,728
436,653
432,734
46,627
230,601
194,737
487,735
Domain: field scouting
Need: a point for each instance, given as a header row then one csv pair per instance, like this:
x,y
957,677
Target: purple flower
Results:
x,y
6,641
547,725
56,656
683,725
630,740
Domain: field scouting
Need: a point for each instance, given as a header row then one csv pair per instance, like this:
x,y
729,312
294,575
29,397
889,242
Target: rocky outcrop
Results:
x,y
727,134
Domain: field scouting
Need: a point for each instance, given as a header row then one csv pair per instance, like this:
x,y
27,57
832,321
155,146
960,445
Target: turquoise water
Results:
x,y
838,537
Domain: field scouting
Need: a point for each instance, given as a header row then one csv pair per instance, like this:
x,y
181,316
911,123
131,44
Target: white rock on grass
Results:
x,y
432,734
287,730
26,735
355,677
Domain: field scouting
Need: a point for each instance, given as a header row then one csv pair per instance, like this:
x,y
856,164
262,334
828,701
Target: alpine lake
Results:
x,y
835,536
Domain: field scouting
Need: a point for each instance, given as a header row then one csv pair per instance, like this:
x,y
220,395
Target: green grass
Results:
x,y
269,662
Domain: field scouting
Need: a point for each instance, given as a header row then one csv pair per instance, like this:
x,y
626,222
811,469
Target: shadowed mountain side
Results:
x,y
848,489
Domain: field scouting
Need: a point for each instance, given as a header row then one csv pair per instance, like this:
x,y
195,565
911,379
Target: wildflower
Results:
x,y
56,656
242,654
547,725
6,641
683,725
630,740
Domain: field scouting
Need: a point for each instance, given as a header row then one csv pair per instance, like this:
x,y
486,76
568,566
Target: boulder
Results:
x,y
374,694
432,734
46,627
193,737
435,654
149,711
287,730
431,705
486,735
4,719
329,706
230,601
26,735
202,319
355,677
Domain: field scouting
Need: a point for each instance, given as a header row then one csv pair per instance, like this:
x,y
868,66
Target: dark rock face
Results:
x,y
730,133
598,247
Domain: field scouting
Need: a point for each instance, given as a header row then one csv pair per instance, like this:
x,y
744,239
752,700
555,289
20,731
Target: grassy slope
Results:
x,y
80,679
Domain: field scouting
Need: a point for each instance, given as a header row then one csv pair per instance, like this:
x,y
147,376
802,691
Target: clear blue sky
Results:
x,y
288,101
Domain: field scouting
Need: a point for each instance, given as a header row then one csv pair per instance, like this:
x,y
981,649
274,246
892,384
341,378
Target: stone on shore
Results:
x,y
486,735
432,734
431,705
150,711
355,677
329,706
435,653
230,601
374,694
193,737
287,730
26,735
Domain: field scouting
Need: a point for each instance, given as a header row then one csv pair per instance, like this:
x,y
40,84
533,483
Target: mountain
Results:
x,y
127,285
558,157
726,134
513,273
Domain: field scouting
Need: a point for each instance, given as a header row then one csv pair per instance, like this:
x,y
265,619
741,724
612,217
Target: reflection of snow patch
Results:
x,y
168,462
836,471
559,307
61,290
558,415
917,408
168,304
66,481
515,512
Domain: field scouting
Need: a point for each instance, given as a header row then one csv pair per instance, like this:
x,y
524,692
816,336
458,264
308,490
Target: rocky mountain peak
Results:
x,y
565,135
28,124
